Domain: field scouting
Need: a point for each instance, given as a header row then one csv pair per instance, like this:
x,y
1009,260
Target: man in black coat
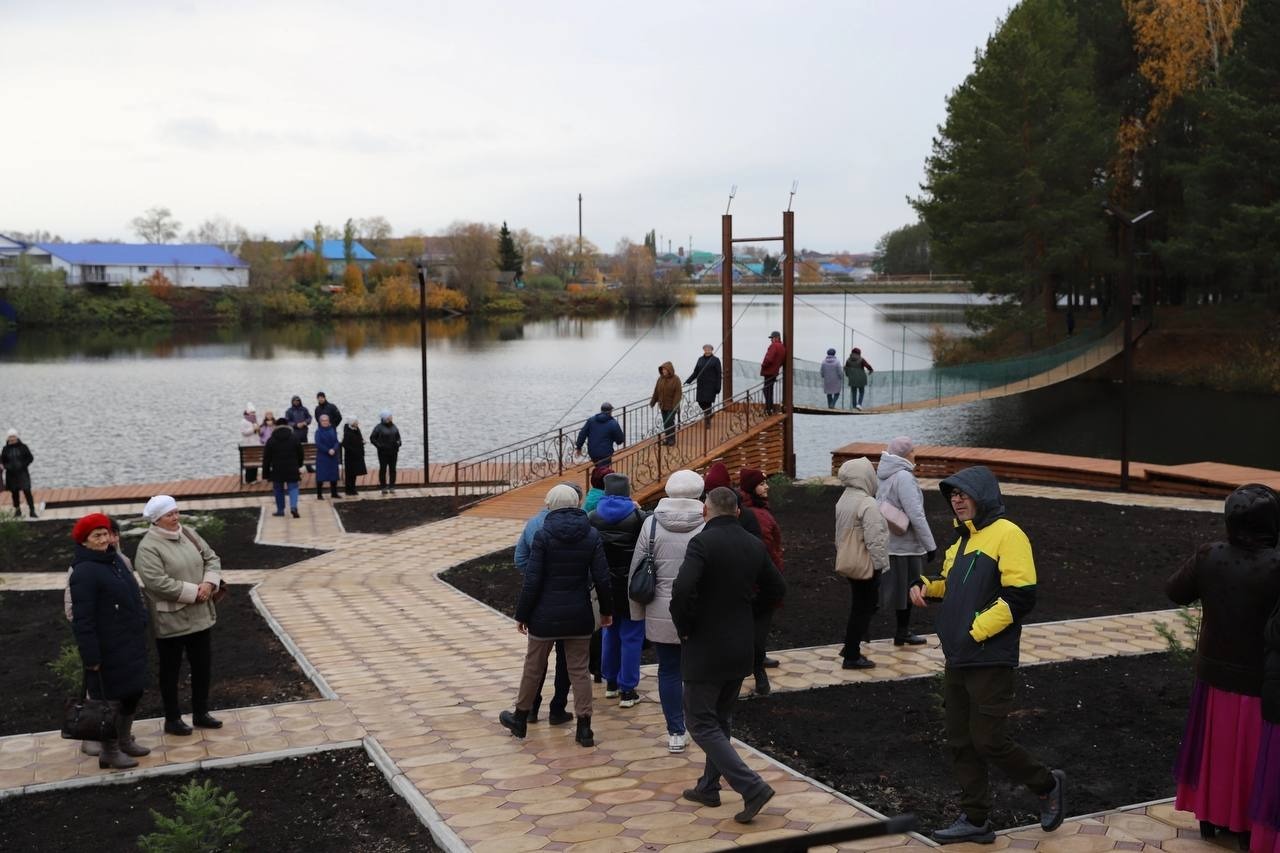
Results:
x,y
282,464
324,407
725,572
709,378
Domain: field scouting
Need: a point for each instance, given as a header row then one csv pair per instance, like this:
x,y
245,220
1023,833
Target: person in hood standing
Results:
x,y
555,603
987,588
328,457
667,394
282,465
856,510
600,433
16,459
832,378
249,438
386,438
909,551
676,520
109,622
353,466
774,357
753,492
725,575
856,371
1237,583
299,419
619,520
707,373
180,574
324,407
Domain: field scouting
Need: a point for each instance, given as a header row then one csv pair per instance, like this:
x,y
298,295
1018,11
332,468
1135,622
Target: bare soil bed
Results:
x,y
250,666
1113,724
46,546
389,516
1092,559
330,801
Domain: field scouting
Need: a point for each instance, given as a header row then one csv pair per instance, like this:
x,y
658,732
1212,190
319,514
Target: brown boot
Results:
x,y
90,747
111,758
129,746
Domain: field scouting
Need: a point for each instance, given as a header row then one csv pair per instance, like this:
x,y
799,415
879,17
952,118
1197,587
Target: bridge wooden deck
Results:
x,y
1199,479
649,462
1107,348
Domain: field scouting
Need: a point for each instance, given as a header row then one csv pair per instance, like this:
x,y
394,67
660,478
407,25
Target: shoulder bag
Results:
x,y
89,719
644,580
853,559
895,518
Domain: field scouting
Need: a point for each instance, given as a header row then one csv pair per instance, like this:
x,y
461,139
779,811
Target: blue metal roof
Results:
x,y
142,254
333,250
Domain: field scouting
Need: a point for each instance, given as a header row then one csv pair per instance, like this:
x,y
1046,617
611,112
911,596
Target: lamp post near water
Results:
x,y
422,345
1128,222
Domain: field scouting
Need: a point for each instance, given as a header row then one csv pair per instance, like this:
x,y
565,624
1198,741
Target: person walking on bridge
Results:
x,y
667,394
707,373
774,356
856,371
832,378
600,433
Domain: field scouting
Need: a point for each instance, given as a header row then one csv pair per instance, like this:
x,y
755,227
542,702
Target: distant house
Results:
x,y
187,265
334,254
10,249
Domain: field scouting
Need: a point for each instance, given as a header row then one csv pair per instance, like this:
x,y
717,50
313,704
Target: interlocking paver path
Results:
x,y
423,669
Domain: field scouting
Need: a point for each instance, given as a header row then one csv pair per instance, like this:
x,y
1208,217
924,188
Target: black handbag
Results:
x,y
89,719
644,580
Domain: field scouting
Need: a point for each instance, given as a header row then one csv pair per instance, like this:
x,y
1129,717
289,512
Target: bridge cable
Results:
x,y
865,335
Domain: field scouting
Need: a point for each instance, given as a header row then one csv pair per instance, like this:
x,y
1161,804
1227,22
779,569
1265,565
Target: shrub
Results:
x,y
505,303
67,667
352,304
353,280
1179,651
285,305
208,526
13,532
779,486
440,298
158,285
544,282
207,821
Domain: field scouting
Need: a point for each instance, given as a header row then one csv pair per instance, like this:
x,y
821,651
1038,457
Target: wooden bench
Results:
x,y
251,457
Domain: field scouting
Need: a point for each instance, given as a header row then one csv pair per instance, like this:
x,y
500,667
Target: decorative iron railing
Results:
x,y
652,451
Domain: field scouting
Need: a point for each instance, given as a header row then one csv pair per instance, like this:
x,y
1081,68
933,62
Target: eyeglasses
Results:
x,y
956,494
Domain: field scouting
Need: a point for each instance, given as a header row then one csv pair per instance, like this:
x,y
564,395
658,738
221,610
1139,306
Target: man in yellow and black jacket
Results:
x,y
987,587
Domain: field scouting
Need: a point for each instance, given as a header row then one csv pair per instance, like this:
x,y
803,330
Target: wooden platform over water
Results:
x,y
1199,479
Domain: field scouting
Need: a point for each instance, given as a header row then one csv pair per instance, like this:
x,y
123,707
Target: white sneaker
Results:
x,y
628,699
611,693
675,743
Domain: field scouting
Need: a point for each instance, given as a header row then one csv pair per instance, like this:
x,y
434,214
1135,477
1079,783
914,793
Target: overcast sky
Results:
x,y
278,114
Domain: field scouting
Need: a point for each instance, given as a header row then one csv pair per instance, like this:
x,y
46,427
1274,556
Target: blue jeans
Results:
x,y
279,488
620,646
831,400
855,394
670,687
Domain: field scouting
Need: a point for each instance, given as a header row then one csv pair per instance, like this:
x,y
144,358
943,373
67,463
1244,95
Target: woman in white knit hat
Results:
x,y
181,576
250,436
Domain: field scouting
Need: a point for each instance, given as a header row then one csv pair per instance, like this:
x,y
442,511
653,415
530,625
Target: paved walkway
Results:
x,y
423,670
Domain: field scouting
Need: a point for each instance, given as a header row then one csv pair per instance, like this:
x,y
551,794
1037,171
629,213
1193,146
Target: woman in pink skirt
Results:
x,y
1264,807
1237,583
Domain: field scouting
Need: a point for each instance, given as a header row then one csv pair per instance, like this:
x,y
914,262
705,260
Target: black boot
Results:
x,y
762,682
517,722
320,491
585,737
334,489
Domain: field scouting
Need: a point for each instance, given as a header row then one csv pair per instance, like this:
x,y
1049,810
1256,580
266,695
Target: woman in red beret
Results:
x,y
109,621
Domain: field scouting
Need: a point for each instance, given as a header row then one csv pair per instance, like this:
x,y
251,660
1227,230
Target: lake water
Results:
x,y
121,406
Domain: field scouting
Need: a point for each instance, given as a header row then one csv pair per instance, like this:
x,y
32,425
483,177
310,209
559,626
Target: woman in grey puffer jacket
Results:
x,y
676,520
908,552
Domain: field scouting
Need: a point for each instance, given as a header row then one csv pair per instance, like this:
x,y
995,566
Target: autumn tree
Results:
x,y
473,252
349,241
770,267
903,251
374,232
1012,189
509,257
221,232
157,225
634,268
560,257
321,266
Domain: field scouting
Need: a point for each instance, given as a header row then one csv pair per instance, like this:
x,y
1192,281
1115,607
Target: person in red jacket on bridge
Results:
x,y
769,368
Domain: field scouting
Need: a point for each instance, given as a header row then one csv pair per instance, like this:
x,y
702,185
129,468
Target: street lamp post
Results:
x,y
1128,222
422,345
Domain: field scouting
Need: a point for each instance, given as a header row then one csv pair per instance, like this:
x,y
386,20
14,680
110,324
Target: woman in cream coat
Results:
x,y
180,574
676,520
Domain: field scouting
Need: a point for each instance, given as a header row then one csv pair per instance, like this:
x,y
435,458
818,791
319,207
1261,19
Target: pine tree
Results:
x,y
509,257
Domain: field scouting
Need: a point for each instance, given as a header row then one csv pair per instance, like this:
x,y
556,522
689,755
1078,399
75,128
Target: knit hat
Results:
x,y
561,497
384,414
617,485
598,474
900,446
857,350
684,484
248,407
577,488
717,475
749,478
13,433
831,350
158,506
777,335
87,525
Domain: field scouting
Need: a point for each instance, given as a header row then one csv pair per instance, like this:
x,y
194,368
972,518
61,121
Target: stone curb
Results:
x,y
276,628
175,769
430,818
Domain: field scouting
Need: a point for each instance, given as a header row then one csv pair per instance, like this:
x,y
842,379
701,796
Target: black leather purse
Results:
x,y
89,719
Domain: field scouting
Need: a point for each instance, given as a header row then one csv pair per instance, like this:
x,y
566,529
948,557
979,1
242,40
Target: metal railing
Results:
x,y
645,458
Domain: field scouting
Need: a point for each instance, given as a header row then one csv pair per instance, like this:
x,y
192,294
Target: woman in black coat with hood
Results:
x,y
566,559
352,454
109,621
